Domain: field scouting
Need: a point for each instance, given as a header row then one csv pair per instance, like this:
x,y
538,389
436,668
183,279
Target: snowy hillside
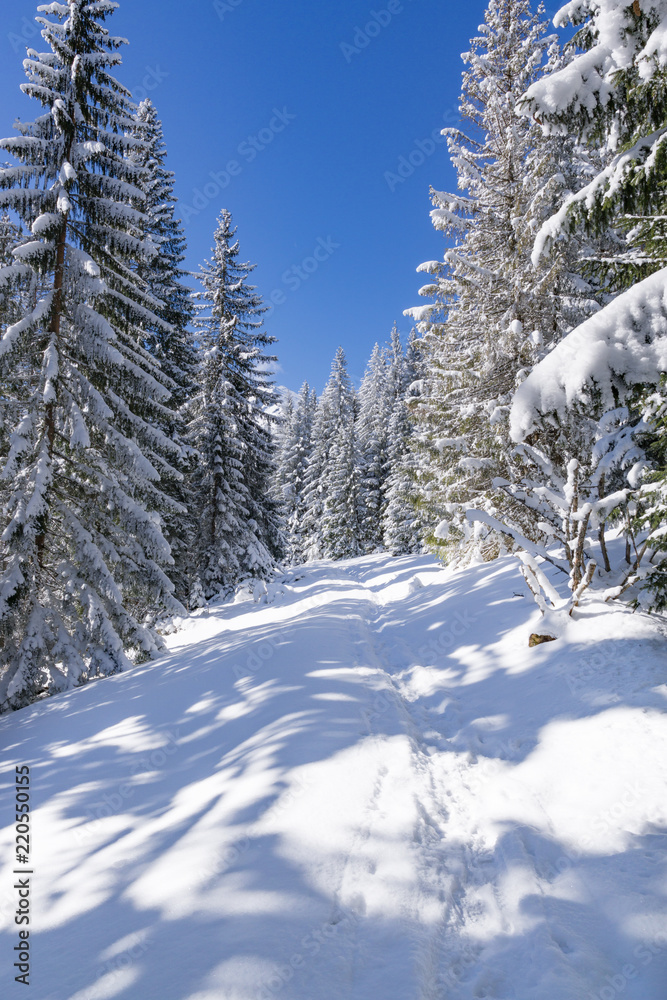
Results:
x,y
366,786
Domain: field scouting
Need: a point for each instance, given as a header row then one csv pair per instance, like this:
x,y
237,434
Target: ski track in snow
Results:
x,y
366,786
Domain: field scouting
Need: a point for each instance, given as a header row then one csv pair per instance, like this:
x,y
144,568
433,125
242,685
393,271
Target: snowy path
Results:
x,y
368,787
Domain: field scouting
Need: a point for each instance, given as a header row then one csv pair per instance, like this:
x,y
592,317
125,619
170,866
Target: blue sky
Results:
x,y
296,116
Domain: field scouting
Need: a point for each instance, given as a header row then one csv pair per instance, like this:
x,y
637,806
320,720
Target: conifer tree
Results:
x,y
613,95
295,452
17,285
376,404
475,331
10,237
613,92
493,314
168,340
84,556
332,499
282,433
163,272
341,535
17,288
402,523
237,534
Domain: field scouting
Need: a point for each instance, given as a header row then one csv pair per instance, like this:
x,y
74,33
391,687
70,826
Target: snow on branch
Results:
x,y
29,322
605,184
504,528
622,345
590,78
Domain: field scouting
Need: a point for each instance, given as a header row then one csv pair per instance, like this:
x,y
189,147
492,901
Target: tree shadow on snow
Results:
x,y
183,787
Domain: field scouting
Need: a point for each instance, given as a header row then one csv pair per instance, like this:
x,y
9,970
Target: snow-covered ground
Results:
x,y
367,787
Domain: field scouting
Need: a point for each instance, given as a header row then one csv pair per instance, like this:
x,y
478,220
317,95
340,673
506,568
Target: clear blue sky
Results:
x,y
311,120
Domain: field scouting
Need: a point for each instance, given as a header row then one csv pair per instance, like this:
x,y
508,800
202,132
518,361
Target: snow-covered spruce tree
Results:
x,y
17,290
398,363
292,464
332,495
83,555
168,340
17,286
10,237
586,373
341,536
163,272
493,314
613,366
281,430
612,94
376,404
281,433
402,527
237,532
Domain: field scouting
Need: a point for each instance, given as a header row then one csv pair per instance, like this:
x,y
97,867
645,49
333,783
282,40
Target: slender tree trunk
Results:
x,y
603,543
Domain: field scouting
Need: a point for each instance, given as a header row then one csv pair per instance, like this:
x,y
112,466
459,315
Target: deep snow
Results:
x,y
366,786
